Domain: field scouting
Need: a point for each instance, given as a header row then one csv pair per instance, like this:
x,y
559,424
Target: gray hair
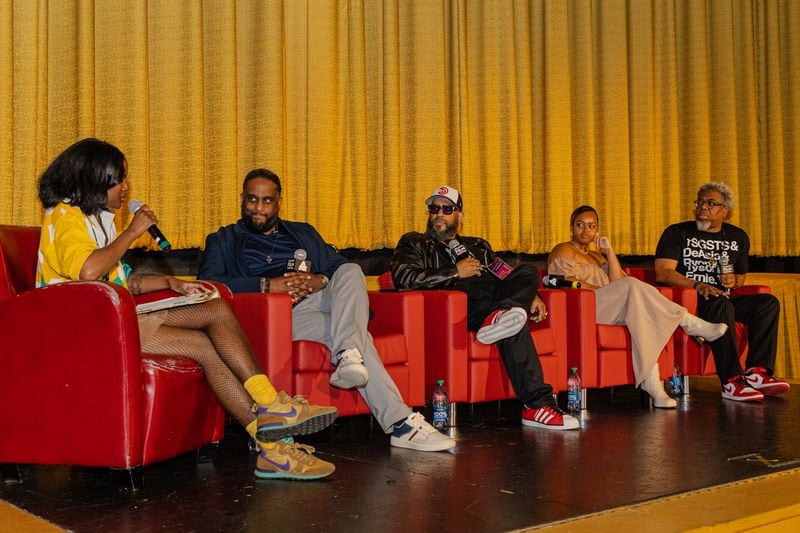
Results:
x,y
722,189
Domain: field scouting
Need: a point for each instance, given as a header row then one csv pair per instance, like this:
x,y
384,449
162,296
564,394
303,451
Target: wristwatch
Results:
x,y
325,280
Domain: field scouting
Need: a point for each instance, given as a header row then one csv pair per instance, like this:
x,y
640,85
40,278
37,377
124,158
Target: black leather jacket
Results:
x,y
421,262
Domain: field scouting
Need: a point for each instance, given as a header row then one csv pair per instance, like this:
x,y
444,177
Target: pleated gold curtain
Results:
x,y
363,107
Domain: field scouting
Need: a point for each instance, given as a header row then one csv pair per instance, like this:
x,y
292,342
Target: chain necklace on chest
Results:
x,y
272,244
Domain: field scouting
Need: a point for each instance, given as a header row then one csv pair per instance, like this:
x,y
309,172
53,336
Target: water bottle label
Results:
x,y
573,400
440,416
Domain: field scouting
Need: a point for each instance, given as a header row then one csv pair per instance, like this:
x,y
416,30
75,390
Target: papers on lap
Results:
x,y
157,301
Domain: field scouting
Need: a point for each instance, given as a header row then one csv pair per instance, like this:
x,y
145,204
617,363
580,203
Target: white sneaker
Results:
x,y
350,371
416,434
502,324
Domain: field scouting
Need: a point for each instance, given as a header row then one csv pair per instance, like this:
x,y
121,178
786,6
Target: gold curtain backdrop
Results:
x,y
363,107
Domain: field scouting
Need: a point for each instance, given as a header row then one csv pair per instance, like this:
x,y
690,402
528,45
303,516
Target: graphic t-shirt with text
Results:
x,y
698,252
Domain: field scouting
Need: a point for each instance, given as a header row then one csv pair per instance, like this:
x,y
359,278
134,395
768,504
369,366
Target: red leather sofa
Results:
x,y
303,367
474,372
602,353
75,388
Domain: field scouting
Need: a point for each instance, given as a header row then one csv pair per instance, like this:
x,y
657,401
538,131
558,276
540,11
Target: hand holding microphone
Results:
x,y
466,263
143,215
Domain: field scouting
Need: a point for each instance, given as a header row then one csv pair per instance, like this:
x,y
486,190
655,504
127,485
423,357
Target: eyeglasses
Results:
x,y
710,203
445,209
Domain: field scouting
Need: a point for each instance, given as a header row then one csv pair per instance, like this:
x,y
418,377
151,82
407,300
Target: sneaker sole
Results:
x,y
306,427
743,399
508,325
432,447
534,424
263,474
772,390
354,380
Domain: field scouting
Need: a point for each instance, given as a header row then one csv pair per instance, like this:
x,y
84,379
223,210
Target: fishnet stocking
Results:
x,y
210,334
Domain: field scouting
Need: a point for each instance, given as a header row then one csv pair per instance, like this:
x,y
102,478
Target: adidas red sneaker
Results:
x,y
502,324
548,417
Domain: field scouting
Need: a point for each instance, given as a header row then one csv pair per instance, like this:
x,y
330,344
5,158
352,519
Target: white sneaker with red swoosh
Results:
x,y
759,380
738,389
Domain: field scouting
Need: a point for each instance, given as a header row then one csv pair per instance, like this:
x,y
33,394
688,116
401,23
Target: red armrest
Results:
x,y
267,322
582,334
71,367
403,313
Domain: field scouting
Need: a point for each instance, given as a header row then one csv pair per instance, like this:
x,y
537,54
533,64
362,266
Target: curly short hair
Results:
x,y
263,173
720,187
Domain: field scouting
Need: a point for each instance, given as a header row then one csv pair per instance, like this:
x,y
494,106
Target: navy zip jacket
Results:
x,y
223,258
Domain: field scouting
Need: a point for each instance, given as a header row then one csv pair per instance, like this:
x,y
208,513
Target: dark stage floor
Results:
x,y
500,477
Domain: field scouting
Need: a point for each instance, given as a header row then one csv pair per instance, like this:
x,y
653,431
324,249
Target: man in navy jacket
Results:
x,y
330,301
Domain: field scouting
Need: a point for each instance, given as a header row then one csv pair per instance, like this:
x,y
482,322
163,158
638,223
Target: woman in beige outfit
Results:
x,y
650,317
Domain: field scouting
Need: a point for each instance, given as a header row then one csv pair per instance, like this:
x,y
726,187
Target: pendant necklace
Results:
x,y
578,246
272,249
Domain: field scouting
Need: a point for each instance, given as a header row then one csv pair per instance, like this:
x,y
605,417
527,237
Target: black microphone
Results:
x,y
161,241
555,282
299,263
458,251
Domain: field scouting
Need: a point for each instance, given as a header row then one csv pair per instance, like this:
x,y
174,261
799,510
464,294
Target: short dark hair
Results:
x,y
83,173
263,173
581,210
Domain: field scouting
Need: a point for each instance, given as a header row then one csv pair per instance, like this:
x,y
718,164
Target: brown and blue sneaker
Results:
x,y
288,416
290,460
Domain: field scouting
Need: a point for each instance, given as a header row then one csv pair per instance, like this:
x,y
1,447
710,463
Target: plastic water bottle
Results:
x,y
574,391
676,382
441,407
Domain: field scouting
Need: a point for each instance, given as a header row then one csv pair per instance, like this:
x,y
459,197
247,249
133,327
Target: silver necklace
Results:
x,y
272,249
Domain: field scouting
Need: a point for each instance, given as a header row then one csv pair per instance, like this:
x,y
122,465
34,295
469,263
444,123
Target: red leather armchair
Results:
x,y
602,353
474,372
76,389
303,367
692,358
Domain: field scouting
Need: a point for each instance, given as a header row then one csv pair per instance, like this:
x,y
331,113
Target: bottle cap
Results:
x,y
574,369
440,382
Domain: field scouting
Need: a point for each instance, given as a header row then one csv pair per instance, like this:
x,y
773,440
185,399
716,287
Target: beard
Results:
x,y
703,225
446,234
258,227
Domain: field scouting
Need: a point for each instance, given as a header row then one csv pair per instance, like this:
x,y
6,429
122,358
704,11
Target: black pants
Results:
x,y
486,294
760,312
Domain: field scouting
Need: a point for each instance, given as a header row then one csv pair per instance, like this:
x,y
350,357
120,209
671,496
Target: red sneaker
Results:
x,y
548,417
738,390
758,379
502,324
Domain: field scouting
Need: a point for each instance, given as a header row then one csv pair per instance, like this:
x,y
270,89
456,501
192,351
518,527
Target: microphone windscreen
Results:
x,y
453,243
300,254
134,205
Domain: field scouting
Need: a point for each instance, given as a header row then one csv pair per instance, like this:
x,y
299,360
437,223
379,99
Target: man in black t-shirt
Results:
x,y
711,256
